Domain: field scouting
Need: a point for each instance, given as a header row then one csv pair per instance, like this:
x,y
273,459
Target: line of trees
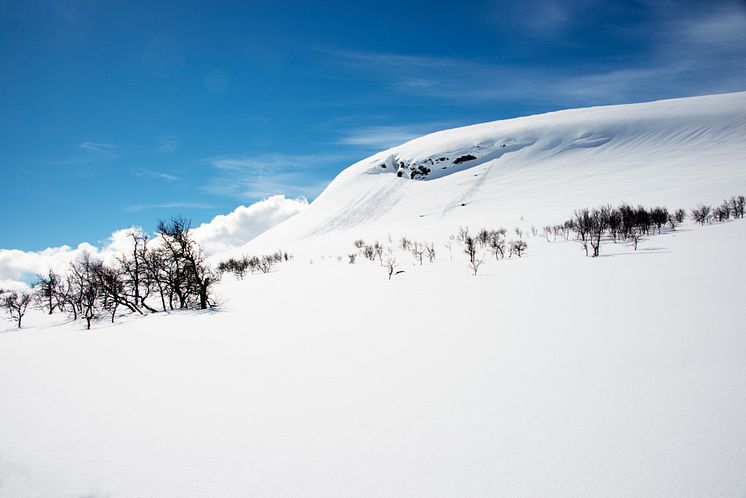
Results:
x,y
167,273
729,208
385,255
251,264
493,240
474,246
593,226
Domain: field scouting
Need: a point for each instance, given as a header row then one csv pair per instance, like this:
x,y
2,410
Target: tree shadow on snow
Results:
x,y
647,250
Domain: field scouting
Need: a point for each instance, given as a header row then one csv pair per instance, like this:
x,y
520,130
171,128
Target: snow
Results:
x,y
676,153
548,375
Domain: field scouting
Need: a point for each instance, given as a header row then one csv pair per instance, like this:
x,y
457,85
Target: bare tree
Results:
x,y
390,264
518,247
614,223
266,263
722,212
115,291
191,274
157,274
48,289
378,251
369,252
474,265
86,287
736,205
132,265
659,217
672,221
430,250
636,235
418,250
582,225
547,230
470,248
483,237
702,214
599,224
679,215
351,258
643,219
16,303
497,242
462,233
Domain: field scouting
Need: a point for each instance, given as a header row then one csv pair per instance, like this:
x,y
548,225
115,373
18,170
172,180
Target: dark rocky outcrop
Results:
x,y
463,159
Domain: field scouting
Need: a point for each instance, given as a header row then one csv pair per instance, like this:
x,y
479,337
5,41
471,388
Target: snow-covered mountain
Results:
x,y
674,152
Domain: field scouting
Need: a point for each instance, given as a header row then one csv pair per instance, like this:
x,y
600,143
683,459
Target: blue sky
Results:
x,y
120,113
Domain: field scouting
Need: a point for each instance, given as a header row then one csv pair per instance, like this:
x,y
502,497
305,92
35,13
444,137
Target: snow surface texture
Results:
x,y
550,375
676,153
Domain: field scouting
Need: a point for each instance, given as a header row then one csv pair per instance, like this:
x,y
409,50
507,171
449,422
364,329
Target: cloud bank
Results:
x,y
233,230
223,233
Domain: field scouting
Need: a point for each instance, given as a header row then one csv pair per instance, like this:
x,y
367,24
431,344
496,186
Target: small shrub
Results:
x,y
518,247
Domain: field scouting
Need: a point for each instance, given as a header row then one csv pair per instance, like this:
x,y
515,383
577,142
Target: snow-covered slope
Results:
x,y
675,152
550,375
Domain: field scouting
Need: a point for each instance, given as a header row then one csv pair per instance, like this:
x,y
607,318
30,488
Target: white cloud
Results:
x,y
224,232
17,267
234,229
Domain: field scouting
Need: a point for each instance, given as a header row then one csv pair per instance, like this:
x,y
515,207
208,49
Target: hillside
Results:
x,y
675,152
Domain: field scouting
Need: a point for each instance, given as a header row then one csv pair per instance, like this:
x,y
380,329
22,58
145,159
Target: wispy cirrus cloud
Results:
x,y
386,136
90,152
543,18
100,149
443,78
145,172
168,205
167,144
686,52
264,175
